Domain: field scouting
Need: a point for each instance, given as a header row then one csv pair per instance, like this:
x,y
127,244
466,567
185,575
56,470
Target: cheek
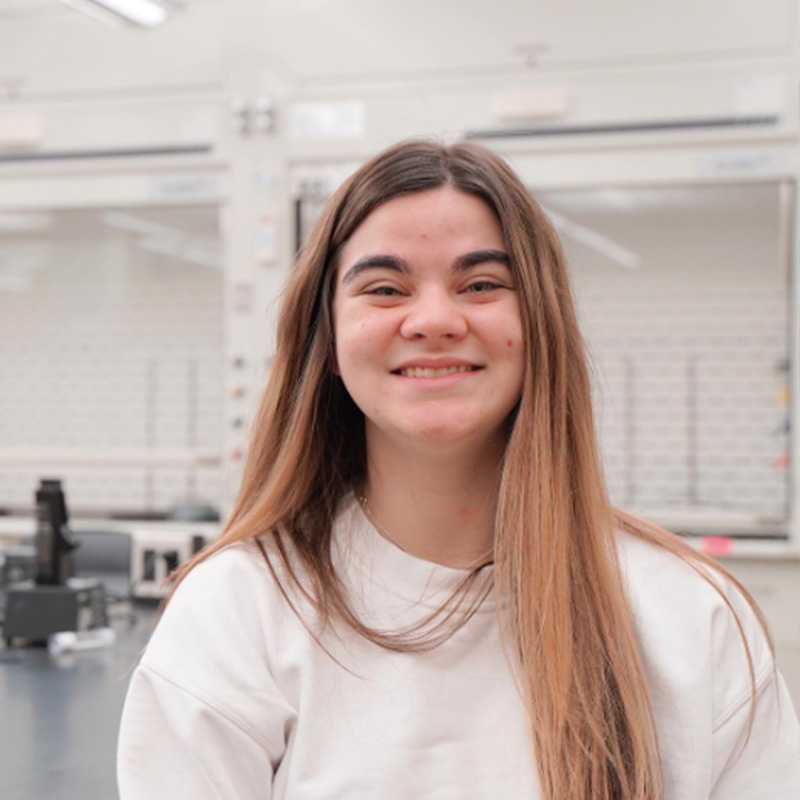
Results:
x,y
509,346
355,339
361,346
513,342
513,349
503,332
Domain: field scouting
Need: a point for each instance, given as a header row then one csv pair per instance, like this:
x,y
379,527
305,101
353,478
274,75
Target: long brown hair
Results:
x,y
566,617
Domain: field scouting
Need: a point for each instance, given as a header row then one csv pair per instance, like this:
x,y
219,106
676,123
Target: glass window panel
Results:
x,y
111,351
682,296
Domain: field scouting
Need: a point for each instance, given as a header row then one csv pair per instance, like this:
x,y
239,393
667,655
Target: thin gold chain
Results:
x,y
368,513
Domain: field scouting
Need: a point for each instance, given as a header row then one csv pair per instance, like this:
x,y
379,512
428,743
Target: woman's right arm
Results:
x,y
204,717
176,744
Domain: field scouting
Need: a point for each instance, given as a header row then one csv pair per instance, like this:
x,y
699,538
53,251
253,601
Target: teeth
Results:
x,y
427,372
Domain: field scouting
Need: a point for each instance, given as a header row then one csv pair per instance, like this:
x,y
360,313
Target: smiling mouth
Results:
x,y
428,372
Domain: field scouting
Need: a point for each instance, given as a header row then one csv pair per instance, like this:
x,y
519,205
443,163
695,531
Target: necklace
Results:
x,y
362,501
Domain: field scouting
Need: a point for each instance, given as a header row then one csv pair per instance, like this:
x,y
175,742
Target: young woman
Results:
x,y
422,591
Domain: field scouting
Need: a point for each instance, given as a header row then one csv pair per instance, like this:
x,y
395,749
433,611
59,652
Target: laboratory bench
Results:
x,y
59,715
162,544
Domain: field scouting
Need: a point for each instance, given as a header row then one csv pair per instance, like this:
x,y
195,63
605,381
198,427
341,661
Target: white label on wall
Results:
x,y
21,131
343,120
243,298
741,162
185,186
761,94
266,240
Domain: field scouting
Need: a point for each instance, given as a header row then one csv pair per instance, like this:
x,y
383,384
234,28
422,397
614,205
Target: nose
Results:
x,y
434,315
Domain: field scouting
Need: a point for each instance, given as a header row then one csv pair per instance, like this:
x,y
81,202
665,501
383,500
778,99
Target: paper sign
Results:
x,y
717,545
314,121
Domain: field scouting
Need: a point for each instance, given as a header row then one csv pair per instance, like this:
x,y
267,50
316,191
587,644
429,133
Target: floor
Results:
x,y
59,716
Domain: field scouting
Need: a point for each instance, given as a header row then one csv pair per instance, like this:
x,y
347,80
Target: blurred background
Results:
x,y
162,162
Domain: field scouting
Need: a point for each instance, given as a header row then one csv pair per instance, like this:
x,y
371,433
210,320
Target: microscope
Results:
x,y
54,601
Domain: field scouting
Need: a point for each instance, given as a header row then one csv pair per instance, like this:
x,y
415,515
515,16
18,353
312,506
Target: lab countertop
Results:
x,y
698,527
59,716
727,533
12,529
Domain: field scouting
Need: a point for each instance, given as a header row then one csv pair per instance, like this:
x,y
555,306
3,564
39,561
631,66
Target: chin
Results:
x,y
444,432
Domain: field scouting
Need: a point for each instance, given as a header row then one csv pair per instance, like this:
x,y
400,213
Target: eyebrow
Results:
x,y
387,261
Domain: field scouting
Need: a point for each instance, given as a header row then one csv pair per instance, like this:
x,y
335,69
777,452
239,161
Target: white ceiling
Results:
x,y
331,40
17,6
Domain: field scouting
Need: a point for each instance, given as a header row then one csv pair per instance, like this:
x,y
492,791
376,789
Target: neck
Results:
x,y
440,507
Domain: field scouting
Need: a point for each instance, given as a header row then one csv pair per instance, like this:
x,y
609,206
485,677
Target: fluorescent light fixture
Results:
x,y
146,13
166,240
198,253
134,224
596,241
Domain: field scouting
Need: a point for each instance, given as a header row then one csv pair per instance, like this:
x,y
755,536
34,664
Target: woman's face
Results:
x,y
427,321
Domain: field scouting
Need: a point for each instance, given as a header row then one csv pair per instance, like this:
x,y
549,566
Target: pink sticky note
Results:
x,y
717,545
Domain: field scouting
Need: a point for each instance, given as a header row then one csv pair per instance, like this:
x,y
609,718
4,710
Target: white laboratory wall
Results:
x,y
111,349
346,79
102,89
133,127
690,347
707,101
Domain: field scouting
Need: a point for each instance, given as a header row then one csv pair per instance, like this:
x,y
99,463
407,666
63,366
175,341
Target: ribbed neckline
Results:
x,y
423,583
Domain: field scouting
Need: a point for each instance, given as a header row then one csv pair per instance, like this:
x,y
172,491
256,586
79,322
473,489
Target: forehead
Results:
x,y
443,215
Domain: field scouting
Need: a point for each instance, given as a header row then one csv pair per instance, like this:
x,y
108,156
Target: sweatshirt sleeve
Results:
x,y
175,744
765,763
204,717
768,763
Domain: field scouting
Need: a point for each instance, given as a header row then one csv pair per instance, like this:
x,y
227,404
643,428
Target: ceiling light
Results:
x,y
134,224
147,13
596,241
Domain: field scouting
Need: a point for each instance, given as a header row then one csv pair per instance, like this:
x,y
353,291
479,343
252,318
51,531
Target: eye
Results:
x,y
483,286
383,291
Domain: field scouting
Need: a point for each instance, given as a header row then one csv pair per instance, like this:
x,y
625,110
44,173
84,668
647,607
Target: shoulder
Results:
x,y
227,607
694,624
234,579
207,674
230,573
